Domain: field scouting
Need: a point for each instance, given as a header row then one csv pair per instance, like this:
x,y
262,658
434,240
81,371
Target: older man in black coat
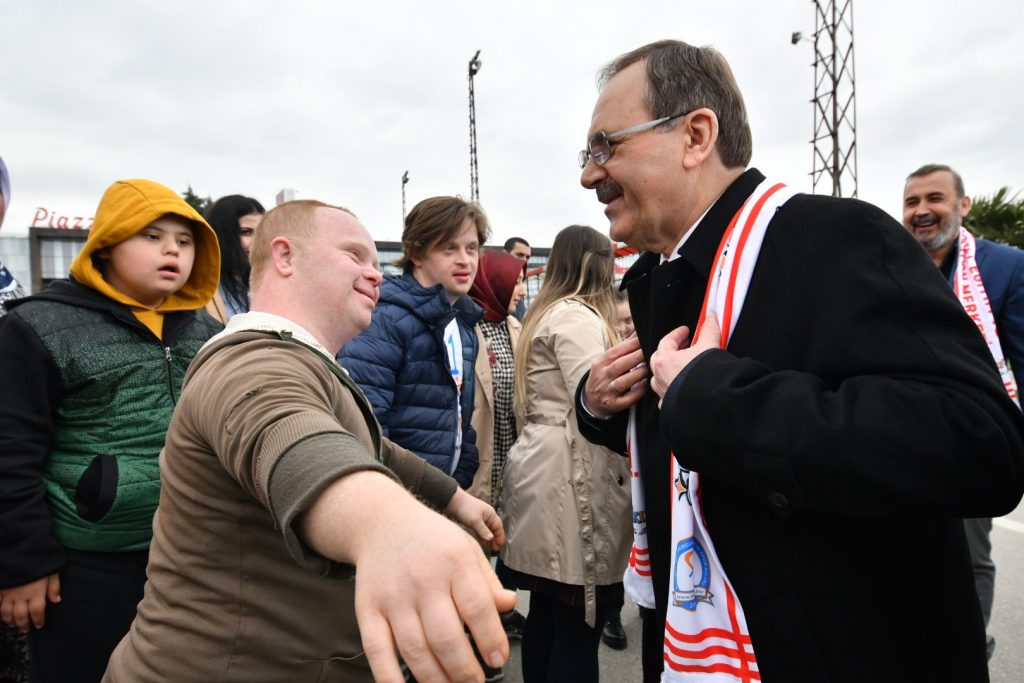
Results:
x,y
852,419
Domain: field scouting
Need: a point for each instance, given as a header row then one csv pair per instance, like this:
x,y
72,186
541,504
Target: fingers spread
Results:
x,y
21,616
37,610
448,642
53,588
380,648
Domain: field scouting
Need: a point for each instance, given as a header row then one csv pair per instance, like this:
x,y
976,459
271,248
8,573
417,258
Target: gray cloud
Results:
x,y
337,99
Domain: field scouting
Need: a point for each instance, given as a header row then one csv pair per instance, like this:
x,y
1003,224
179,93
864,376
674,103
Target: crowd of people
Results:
x,y
231,449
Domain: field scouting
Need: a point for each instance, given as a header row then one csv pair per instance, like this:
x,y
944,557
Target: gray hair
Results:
x,y
928,169
682,78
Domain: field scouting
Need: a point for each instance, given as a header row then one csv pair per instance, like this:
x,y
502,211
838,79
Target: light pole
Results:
x,y
405,179
474,178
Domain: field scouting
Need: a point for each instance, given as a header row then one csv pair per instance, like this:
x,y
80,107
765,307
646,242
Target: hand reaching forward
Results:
x,y
674,352
25,606
419,579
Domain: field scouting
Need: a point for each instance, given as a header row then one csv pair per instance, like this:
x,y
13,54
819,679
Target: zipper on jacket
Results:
x,y
170,377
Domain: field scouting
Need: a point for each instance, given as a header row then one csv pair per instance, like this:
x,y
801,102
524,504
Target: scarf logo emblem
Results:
x,y
682,489
697,579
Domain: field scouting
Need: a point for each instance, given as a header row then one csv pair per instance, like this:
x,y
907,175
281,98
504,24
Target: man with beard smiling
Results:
x,y
988,278
800,469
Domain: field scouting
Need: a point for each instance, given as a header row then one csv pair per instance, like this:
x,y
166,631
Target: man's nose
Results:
x,y
592,174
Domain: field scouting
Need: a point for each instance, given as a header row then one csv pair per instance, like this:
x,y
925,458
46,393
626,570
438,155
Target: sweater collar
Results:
x,y
259,321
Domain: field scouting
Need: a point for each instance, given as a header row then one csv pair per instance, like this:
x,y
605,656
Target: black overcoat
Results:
x,y
854,418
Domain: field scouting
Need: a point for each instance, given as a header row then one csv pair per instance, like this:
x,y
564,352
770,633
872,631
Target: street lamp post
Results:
x,y
405,180
474,178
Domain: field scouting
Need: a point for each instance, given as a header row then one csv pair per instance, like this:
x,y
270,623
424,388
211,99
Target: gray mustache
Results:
x,y
607,190
928,219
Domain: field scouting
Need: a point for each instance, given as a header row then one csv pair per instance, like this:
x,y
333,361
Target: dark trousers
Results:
x,y
558,645
652,650
502,572
99,595
978,541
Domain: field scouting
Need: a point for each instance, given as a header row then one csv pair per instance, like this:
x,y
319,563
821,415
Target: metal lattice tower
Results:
x,y
835,110
474,177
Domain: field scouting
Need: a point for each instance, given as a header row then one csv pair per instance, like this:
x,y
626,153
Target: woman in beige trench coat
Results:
x,y
565,502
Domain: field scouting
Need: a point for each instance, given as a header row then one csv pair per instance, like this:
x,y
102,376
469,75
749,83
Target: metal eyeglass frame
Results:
x,y
604,140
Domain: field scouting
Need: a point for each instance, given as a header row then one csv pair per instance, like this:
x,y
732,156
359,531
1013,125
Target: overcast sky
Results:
x,y
337,99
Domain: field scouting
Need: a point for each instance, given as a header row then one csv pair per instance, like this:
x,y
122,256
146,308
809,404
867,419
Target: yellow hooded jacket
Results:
x,y
127,207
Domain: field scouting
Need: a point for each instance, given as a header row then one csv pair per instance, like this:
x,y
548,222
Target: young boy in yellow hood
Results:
x,y
92,369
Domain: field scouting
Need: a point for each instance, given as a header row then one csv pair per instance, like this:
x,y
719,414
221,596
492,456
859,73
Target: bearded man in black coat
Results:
x,y
853,418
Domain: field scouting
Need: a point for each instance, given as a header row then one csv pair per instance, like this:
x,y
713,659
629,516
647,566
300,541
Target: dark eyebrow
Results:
x,y
178,231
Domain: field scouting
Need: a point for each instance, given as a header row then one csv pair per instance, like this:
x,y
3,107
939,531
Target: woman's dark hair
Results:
x,y
223,217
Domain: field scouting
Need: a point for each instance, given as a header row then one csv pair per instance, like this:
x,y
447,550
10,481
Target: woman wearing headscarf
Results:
x,y
497,289
9,286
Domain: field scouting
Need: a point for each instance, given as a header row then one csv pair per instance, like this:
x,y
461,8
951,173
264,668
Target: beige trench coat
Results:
x,y
565,501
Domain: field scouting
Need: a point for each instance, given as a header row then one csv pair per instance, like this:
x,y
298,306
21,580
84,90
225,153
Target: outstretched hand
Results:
x,y
416,589
422,582
675,353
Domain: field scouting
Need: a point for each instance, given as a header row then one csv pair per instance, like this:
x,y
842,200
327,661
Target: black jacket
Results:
x,y
854,419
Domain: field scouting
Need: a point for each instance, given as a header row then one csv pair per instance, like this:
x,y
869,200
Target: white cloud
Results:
x,y
337,99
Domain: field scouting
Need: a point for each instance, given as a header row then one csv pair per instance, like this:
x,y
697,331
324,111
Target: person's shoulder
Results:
x,y
817,222
567,314
199,321
257,353
1001,253
61,304
814,209
469,311
408,296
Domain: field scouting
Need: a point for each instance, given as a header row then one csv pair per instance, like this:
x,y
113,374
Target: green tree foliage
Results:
x,y
999,218
200,204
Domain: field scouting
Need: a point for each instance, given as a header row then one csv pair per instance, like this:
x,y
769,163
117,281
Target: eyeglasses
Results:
x,y
600,145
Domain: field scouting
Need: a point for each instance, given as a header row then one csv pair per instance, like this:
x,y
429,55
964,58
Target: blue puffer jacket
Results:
x,y
401,364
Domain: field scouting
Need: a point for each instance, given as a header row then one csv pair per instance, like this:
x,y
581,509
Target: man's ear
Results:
x,y
700,128
965,206
282,255
102,254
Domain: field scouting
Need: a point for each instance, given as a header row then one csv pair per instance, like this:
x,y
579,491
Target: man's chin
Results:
x,y
620,230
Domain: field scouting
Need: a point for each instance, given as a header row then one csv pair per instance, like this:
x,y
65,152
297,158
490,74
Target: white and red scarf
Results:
x,y
706,636
970,290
